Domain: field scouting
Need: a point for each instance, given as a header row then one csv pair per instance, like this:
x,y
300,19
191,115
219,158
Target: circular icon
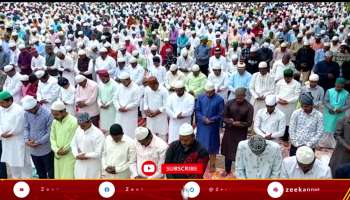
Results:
x,y
275,189
106,189
149,168
21,189
191,190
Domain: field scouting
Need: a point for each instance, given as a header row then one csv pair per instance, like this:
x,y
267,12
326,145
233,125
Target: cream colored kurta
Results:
x,y
13,86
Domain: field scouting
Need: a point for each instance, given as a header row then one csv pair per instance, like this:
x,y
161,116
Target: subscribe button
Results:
x,y
182,168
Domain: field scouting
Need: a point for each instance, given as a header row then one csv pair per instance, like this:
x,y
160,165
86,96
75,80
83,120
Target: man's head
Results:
x,y
209,89
103,52
313,80
288,75
270,102
84,120
179,88
195,70
143,135
116,132
328,56
153,83
104,75
339,84
186,136
82,54
307,102
43,76
81,80
217,52
30,104
6,99
10,70
326,46
305,158
156,61
173,69
63,82
240,94
58,110
125,79
263,68
286,59
257,144
241,68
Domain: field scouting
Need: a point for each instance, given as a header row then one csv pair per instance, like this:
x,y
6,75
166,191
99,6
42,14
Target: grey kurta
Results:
x,y
341,155
233,135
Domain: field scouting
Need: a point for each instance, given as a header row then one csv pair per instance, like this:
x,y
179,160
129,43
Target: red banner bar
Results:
x,y
182,169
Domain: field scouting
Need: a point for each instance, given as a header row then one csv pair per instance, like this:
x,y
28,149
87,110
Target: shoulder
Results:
x,y
289,161
243,144
322,166
273,145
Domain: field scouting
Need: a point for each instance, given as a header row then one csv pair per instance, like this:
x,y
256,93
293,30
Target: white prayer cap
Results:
x,y
262,65
103,50
253,49
327,44
132,60
313,77
184,52
166,39
305,155
235,57
343,44
68,48
140,40
217,33
124,75
335,38
270,100
195,68
135,53
8,68
323,32
349,34
127,38
58,106
80,33
306,43
266,45
179,84
216,67
79,78
57,41
12,44
193,32
70,35
24,77
60,33
21,46
209,86
103,37
107,44
141,133
28,102
241,65
173,67
185,129
249,41
14,33
284,44
300,35
154,47
121,59
39,74
81,52
328,54
153,32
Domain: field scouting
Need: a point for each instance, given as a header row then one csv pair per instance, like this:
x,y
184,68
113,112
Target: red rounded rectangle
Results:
x,y
182,168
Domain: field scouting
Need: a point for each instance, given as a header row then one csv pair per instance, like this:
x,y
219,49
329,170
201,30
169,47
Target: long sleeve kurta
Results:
x,y
89,142
220,83
48,91
88,95
62,133
274,123
13,86
195,84
106,93
67,96
266,165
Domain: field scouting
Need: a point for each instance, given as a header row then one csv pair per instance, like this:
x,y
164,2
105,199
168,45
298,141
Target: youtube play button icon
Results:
x,y
149,168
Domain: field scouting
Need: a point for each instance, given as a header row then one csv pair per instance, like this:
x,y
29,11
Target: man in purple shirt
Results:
x,y
24,60
173,34
37,126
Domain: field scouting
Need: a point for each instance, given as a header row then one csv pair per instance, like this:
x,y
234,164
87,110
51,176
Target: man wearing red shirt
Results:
x,y
218,45
166,46
110,51
129,47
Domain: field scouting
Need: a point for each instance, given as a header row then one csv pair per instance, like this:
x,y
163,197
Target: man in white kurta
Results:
x,y
107,89
13,82
287,93
105,62
149,147
119,153
220,80
172,76
65,65
87,145
280,65
67,94
136,71
180,106
155,98
270,122
48,89
126,102
261,85
218,60
14,151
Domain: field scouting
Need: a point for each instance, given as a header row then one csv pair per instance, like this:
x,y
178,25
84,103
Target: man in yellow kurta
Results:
x,y
195,81
62,132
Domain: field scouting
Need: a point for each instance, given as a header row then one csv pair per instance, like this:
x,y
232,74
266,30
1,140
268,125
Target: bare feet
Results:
x,y
224,174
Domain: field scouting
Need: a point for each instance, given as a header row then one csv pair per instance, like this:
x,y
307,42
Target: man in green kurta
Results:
x,y
195,81
336,102
62,131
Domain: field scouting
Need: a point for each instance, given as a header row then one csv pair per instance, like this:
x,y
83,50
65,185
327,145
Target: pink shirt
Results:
x,y
89,96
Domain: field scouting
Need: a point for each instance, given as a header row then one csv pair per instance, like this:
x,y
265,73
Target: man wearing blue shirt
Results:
x,y
202,55
240,79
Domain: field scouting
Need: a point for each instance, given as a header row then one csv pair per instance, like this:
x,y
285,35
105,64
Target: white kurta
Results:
x,y
67,96
67,64
91,143
49,91
14,151
171,79
13,86
159,72
38,63
128,97
278,69
221,83
260,86
137,74
175,106
105,96
289,92
108,63
119,155
221,61
156,100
